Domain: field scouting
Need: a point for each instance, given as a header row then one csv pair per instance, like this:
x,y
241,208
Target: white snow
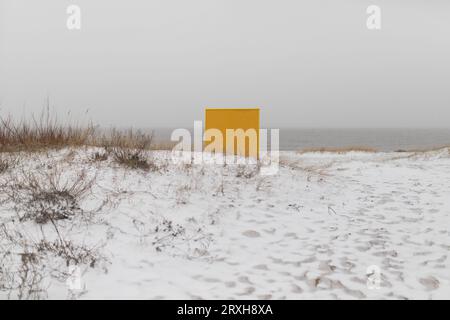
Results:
x,y
309,232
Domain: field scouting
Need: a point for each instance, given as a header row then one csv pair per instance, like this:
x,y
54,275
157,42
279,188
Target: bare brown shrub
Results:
x,y
99,156
46,196
7,163
28,265
130,148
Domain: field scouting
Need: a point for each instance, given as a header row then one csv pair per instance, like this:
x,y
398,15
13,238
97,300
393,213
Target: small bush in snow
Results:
x,y
6,164
47,196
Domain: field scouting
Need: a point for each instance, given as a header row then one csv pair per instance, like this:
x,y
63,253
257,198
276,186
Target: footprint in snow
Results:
x,y
251,234
430,283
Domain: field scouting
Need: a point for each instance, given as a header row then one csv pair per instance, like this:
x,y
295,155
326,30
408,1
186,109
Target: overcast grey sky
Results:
x,y
157,63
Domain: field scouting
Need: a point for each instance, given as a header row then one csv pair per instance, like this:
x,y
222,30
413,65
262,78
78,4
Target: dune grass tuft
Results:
x,y
45,131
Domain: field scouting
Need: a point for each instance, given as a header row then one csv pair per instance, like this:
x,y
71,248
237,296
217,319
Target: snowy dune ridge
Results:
x,y
75,224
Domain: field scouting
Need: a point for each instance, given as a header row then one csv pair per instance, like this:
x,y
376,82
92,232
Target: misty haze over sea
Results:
x,y
380,139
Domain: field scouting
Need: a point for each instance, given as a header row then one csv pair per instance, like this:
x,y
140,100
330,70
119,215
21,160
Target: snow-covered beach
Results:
x,y
313,231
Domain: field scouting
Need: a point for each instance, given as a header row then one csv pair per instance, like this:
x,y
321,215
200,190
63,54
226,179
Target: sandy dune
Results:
x,y
313,231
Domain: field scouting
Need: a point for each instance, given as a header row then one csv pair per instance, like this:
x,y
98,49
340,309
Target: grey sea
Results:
x,y
379,139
